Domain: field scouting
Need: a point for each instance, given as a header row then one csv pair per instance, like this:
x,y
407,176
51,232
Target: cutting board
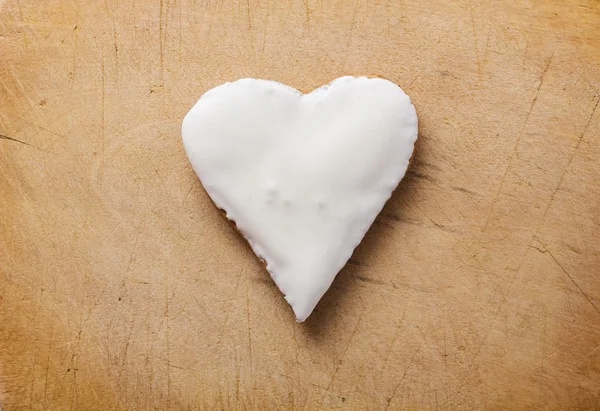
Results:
x,y
122,287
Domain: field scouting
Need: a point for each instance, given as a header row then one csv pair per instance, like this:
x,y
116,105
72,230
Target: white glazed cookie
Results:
x,y
303,176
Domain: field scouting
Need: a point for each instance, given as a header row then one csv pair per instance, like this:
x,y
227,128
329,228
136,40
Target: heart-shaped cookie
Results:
x,y
303,176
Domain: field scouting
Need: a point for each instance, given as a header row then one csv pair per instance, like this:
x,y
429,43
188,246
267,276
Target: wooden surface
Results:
x,y
121,286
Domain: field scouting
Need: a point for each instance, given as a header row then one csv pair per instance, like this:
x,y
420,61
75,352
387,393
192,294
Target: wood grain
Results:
x,y
121,287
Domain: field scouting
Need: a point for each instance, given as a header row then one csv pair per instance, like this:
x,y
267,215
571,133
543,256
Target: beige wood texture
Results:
x,y
122,287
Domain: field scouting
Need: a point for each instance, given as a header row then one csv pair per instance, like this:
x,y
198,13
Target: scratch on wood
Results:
x,y
546,251
558,186
249,15
20,10
589,354
531,106
180,34
542,360
262,48
389,400
308,15
525,53
103,110
339,361
47,372
114,32
74,54
128,342
19,83
414,79
416,174
161,41
41,127
168,399
210,22
487,42
537,91
188,193
248,319
179,367
224,325
478,62
3,137
115,45
463,190
489,329
374,281
391,345
388,7
587,124
351,32
296,360
563,344
73,366
110,234
32,377
132,252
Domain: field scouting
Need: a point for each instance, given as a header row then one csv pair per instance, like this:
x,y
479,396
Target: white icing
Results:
x,y
303,176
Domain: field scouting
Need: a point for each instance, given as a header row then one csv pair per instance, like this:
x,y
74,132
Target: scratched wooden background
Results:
x,y
121,287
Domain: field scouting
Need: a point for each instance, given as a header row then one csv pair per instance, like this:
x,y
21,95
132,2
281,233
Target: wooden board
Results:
x,y
121,286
